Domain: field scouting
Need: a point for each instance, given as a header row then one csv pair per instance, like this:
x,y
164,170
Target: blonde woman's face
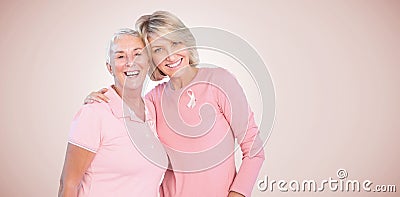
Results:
x,y
170,57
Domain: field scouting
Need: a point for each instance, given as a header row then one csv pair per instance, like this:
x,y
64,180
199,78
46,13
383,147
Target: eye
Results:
x,y
119,56
175,43
138,54
157,50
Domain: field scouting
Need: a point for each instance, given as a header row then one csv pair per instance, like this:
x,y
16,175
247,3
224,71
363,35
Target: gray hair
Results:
x,y
169,26
117,35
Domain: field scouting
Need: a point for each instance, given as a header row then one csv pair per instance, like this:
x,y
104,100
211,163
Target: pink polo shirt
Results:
x,y
118,137
198,126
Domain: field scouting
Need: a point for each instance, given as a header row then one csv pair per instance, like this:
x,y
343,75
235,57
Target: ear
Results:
x,y
109,68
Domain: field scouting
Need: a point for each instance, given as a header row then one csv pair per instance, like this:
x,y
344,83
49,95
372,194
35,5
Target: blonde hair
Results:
x,y
168,26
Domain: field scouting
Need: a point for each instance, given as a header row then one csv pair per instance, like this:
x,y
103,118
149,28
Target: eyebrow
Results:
x,y
124,51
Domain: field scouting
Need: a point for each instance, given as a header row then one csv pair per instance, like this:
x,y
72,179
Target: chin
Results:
x,y
180,72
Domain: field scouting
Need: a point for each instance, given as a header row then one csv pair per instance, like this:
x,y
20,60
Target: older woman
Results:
x,y
200,112
101,158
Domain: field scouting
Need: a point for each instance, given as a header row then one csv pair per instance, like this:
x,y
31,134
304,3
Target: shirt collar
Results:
x,y
121,110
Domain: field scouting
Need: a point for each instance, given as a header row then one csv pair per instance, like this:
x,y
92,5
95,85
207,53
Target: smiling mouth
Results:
x,y
131,73
177,63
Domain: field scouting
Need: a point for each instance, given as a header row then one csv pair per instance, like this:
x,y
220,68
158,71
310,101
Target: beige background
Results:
x,y
335,66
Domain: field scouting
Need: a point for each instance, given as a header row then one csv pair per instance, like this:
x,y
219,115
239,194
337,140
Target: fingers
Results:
x,y
97,97
101,97
103,90
87,101
91,99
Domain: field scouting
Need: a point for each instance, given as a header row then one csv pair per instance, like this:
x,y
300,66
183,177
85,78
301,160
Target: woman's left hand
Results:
x,y
97,97
234,194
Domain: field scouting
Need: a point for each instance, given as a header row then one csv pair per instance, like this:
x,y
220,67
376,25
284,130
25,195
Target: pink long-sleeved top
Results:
x,y
198,125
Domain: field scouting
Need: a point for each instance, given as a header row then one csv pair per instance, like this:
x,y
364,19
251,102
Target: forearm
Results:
x,y
238,114
247,175
68,190
76,163
252,160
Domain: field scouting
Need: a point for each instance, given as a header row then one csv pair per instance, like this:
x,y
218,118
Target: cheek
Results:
x,y
184,53
142,61
144,66
157,60
118,68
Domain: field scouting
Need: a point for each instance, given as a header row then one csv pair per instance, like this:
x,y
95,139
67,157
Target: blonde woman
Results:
x,y
201,159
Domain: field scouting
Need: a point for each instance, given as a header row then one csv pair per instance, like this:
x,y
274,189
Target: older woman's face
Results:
x,y
170,57
129,62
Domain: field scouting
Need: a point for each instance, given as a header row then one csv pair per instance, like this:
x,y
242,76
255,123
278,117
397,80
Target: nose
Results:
x,y
172,57
130,60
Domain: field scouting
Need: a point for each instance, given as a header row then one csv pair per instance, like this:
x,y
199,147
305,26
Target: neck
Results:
x,y
132,97
186,76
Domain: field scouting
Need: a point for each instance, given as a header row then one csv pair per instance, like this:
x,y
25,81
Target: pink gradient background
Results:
x,y
335,66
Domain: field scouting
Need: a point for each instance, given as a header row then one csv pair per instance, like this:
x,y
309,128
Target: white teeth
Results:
x,y
131,73
175,64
